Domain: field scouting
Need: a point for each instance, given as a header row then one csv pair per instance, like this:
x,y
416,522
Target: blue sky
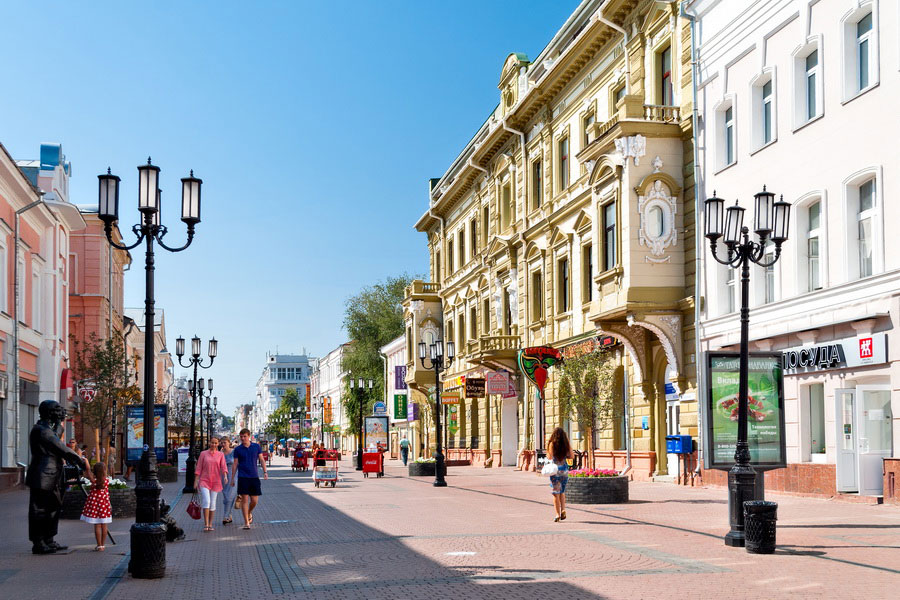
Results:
x,y
315,127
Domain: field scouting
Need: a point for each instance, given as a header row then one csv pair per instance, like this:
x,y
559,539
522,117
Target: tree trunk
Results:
x,y
590,445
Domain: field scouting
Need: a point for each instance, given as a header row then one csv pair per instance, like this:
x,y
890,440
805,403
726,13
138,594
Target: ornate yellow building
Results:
x,y
568,220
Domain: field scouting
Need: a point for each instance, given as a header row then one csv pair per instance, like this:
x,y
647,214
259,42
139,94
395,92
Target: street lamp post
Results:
x,y
196,362
360,390
436,356
772,219
201,397
213,415
148,549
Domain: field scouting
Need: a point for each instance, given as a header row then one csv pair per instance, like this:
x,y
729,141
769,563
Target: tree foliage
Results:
x,y
588,395
372,318
105,366
279,424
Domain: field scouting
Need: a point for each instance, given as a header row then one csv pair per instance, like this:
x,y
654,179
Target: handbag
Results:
x,y
193,508
550,469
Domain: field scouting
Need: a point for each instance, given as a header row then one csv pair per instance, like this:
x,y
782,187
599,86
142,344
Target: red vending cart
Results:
x,y
373,462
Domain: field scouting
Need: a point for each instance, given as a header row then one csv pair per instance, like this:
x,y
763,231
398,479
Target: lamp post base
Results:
x,y
359,459
741,488
440,470
189,484
148,551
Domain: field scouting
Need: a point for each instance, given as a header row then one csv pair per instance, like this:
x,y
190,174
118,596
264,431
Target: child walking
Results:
x,y
97,508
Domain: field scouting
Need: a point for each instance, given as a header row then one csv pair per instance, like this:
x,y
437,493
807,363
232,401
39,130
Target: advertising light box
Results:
x,y
765,409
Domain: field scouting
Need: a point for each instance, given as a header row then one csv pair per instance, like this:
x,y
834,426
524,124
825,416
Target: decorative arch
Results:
x,y
657,209
583,221
605,168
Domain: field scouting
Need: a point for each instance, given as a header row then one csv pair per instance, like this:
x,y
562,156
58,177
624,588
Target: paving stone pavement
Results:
x,y
490,534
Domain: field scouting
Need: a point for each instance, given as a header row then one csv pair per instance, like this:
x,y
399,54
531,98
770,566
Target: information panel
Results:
x,y
765,418
376,430
134,434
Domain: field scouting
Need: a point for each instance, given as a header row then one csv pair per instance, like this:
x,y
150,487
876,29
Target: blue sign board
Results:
x,y
379,408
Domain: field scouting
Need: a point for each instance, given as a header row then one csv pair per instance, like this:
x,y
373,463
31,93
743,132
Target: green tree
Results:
x,y
279,424
588,395
104,365
372,318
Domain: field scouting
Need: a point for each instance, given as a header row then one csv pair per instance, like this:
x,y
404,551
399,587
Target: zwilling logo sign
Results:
x,y
866,349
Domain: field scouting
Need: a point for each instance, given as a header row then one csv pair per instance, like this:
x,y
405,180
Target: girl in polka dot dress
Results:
x,y
97,508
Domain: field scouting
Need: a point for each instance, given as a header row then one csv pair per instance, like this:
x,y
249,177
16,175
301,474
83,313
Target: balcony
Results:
x,y
422,288
662,113
494,351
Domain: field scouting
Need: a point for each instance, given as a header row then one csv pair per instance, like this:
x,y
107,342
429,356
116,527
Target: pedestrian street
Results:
x,y
489,534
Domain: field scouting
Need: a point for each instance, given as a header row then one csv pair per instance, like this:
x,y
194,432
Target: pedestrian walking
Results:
x,y
210,471
97,507
229,492
246,457
404,449
559,450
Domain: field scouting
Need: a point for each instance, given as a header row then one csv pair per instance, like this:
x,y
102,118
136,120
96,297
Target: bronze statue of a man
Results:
x,y
45,477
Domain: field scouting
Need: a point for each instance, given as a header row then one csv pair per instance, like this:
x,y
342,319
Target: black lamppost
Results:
x,y
436,356
212,416
194,361
360,391
148,542
772,219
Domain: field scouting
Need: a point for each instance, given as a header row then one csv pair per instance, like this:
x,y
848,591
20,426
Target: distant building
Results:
x,y
327,389
281,373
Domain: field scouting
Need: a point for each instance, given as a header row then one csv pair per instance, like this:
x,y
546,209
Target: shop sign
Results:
x,y
399,406
535,363
453,420
497,382
412,411
400,377
454,383
765,423
587,346
475,387
840,354
379,408
450,398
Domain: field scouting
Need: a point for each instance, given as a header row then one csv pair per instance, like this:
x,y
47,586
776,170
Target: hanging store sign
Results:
x,y
400,406
839,354
587,346
412,412
497,382
379,409
475,387
450,398
765,414
400,377
453,420
535,363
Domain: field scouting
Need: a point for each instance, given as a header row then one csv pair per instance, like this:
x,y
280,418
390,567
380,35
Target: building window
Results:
x,y
506,208
20,309
450,267
537,295
461,332
473,323
728,133
486,316
812,72
767,111
462,247
35,298
618,94
587,273
609,236
586,123
537,184
485,224
808,85
507,313
730,285
666,90
769,257
437,267
563,164
863,33
450,334
473,241
817,418
4,285
562,283
865,219
814,215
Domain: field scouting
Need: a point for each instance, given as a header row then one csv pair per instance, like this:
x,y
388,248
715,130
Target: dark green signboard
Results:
x,y
399,406
765,418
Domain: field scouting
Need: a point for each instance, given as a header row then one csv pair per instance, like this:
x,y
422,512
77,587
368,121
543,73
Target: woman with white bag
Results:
x,y
559,450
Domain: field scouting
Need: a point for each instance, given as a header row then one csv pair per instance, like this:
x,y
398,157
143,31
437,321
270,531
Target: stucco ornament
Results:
x,y
634,147
514,293
657,211
498,300
416,307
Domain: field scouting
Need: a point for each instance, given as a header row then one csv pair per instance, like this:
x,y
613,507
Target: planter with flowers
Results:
x,y
167,473
422,467
120,496
596,486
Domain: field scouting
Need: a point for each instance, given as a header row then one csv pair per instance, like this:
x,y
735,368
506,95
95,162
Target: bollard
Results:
x,y
759,526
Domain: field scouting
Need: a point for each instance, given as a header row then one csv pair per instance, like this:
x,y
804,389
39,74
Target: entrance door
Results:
x,y
673,417
845,440
874,436
509,431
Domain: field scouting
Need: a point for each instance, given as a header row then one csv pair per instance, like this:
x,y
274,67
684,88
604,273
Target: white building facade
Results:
x,y
396,395
798,95
327,384
281,373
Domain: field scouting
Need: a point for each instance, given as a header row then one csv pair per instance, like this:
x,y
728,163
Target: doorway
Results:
x,y
863,438
509,431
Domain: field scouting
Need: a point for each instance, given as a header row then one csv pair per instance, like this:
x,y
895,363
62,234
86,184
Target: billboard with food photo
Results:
x,y
134,434
765,409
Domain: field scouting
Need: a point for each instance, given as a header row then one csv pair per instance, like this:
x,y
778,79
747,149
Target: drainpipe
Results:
x,y
627,408
16,317
698,242
612,25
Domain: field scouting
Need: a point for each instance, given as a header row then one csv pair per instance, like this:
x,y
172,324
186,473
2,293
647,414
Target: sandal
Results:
x,y
556,520
245,527
251,519
562,517
227,521
99,548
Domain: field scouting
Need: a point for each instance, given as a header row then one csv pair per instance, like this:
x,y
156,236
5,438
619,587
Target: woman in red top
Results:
x,y
97,507
211,472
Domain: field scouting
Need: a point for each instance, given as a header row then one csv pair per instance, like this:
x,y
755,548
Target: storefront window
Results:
x,y
817,418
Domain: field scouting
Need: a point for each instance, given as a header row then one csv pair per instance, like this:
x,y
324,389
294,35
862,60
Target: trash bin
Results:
x,y
759,526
